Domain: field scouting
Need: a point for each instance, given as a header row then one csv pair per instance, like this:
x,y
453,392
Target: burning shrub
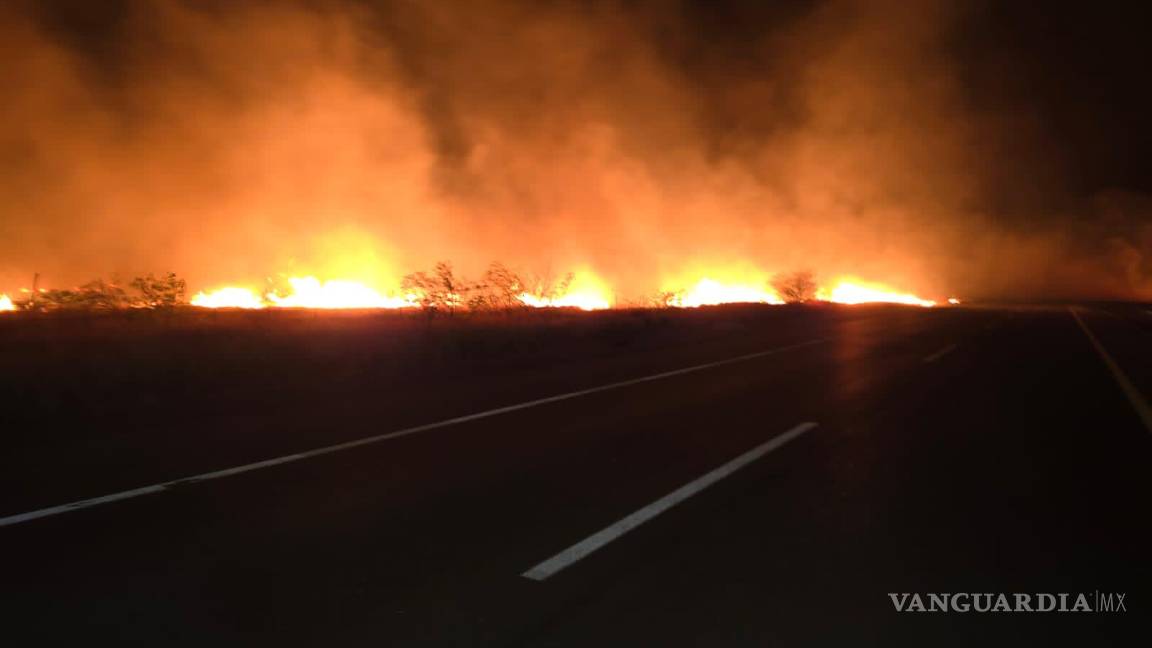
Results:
x,y
546,288
441,290
146,292
502,289
795,287
94,295
666,299
164,292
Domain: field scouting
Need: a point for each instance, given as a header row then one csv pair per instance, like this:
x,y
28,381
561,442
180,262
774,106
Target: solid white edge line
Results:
x,y
236,470
941,353
1126,386
582,549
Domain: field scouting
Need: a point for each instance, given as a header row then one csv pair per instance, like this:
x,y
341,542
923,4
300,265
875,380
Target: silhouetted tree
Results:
x,y
440,291
502,288
547,287
795,287
666,299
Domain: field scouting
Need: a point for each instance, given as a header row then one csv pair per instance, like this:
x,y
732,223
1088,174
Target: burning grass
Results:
x,y
442,290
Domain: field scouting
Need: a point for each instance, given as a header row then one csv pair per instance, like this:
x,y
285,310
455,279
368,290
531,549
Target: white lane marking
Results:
x,y
597,540
941,353
1126,386
227,472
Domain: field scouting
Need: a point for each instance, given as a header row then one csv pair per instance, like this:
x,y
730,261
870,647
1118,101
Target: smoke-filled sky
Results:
x,y
978,149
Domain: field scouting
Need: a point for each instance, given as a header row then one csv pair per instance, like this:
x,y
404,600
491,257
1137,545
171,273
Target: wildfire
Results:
x,y
847,291
709,292
586,292
310,292
584,301
583,290
6,304
228,297
305,292
853,292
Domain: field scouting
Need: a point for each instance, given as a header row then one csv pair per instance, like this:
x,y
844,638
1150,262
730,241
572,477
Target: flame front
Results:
x,y
6,304
310,292
583,290
709,292
586,292
305,292
588,301
228,297
851,291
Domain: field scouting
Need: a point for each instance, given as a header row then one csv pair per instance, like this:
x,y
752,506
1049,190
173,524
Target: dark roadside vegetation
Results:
x,y
122,398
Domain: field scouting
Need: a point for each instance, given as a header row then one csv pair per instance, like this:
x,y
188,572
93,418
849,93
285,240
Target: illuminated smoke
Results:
x,y
357,142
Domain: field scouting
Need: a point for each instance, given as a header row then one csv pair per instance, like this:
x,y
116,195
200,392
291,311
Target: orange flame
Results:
x,y
584,301
310,292
306,292
586,292
6,304
851,291
709,292
228,297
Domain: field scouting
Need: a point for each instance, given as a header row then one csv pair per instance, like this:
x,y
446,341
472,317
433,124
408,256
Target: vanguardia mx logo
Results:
x,y
963,602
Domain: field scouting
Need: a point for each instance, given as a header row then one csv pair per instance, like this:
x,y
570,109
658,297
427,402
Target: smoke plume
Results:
x,y
648,143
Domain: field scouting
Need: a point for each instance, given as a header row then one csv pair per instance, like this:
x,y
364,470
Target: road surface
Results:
x,y
769,488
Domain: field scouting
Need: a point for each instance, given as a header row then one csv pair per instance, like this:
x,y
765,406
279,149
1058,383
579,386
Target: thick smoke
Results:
x,y
649,143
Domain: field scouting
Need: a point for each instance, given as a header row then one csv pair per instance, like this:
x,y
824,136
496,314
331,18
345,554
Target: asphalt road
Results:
x,y
955,450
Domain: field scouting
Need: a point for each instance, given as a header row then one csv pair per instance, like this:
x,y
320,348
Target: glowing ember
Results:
x,y
228,297
6,304
953,301
850,292
708,292
310,292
